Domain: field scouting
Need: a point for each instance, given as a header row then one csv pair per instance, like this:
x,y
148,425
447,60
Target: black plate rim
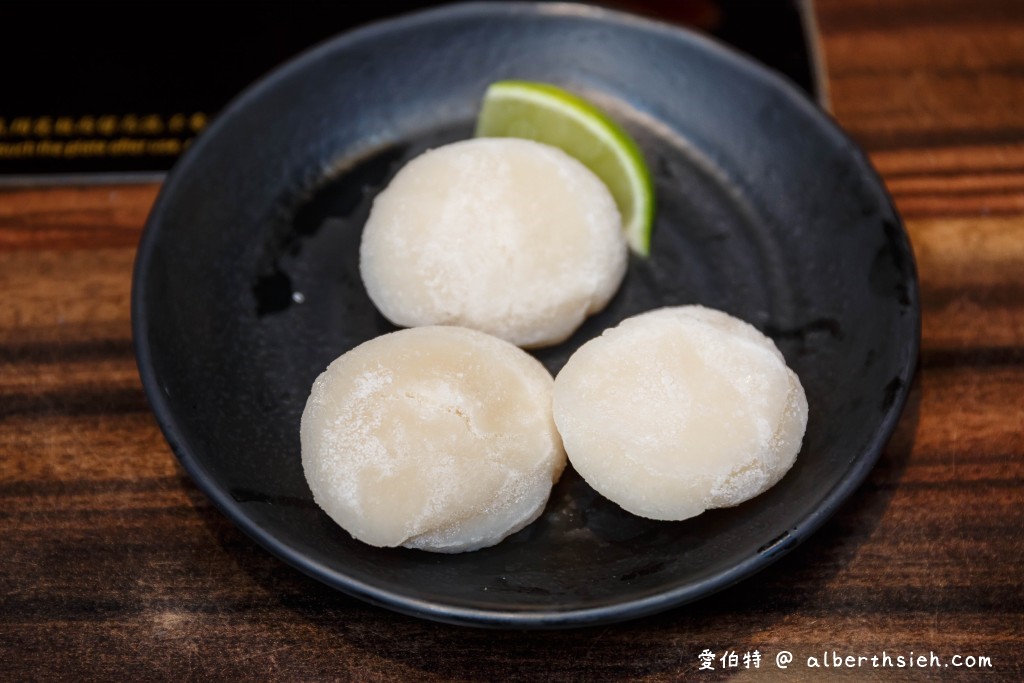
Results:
x,y
856,473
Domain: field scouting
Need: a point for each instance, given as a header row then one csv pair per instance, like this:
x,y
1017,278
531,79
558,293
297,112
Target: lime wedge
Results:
x,y
548,114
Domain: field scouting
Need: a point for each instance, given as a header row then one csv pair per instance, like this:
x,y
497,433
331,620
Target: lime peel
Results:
x,y
546,113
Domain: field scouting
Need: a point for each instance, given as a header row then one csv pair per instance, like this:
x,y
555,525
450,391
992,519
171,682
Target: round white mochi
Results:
x,y
680,410
507,236
438,438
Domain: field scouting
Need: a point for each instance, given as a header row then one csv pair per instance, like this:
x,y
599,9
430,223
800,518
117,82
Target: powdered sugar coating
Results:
x,y
680,410
511,237
439,438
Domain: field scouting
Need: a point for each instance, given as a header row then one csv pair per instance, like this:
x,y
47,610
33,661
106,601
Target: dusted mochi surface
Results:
x,y
680,410
508,236
439,438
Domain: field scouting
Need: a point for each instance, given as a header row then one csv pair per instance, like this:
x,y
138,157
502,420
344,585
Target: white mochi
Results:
x,y
680,410
438,438
511,237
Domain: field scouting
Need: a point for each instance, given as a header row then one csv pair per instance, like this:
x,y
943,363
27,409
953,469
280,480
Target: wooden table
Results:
x,y
115,566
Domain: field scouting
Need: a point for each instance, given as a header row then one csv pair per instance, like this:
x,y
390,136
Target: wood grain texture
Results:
x,y
116,567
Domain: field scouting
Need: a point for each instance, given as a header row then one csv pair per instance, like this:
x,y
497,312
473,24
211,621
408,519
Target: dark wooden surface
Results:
x,y
114,566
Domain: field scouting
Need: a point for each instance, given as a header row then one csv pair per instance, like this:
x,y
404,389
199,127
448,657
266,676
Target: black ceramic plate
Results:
x,y
247,286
